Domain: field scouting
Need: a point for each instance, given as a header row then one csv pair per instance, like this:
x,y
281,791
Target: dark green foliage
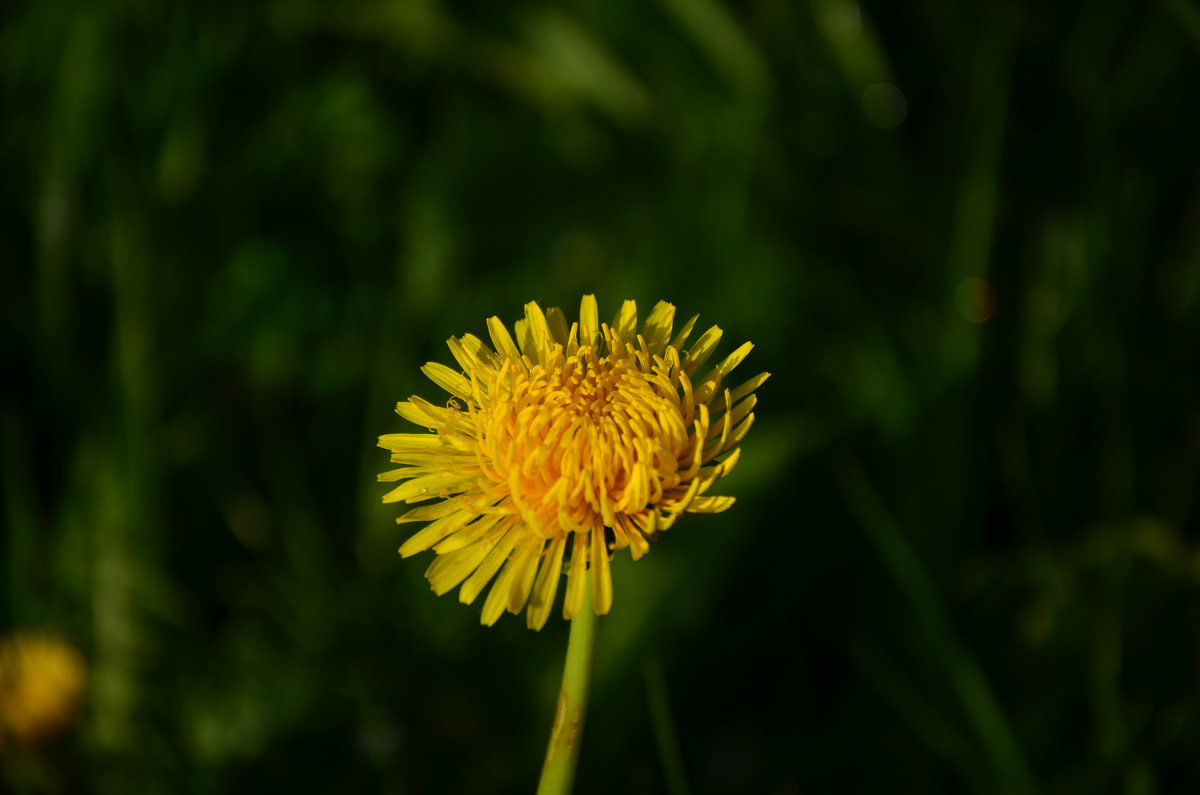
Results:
x,y
964,556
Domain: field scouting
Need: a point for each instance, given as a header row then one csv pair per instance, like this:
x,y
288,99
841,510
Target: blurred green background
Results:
x,y
964,555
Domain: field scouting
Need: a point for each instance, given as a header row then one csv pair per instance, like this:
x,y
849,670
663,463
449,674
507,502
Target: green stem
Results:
x,y
558,771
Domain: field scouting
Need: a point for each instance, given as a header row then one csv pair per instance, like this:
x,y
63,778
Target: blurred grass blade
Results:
x,y
716,33
935,729
665,736
970,685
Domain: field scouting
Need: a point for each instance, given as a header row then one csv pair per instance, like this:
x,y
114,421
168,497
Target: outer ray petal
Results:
x,y
542,599
589,320
498,596
411,441
577,576
426,513
537,332
625,323
491,564
734,359
557,322
450,569
710,504
471,353
433,533
455,383
502,339
484,528
682,335
657,330
745,389
428,487
704,347
526,563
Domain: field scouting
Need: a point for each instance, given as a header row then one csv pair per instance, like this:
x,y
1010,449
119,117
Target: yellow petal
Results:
x,y
745,407
717,436
525,339
638,545
710,504
557,322
426,465
739,432
734,359
414,414
411,441
657,330
731,461
537,333
491,564
525,561
683,501
685,332
589,320
493,606
687,405
436,510
433,533
625,323
547,584
576,577
502,340
471,353
453,382
745,389
698,354
430,486
694,456
398,474
450,569
482,528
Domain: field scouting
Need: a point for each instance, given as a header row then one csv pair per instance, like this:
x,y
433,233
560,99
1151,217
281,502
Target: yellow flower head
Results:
x,y
41,681
561,446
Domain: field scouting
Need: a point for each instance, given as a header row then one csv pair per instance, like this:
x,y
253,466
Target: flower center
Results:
x,y
578,439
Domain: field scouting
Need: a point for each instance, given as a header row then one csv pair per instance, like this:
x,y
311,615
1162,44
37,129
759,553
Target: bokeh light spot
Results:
x,y
884,105
975,299
840,20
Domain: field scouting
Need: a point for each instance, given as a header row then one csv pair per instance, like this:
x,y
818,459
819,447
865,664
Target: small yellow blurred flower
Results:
x,y
41,681
558,447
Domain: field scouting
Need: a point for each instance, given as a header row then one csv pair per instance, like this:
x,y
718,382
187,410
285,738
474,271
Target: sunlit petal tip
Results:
x,y
734,359
450,380
576,577
448,570
589,320
525,569
682,335
497,598
711,504
557,323
409,441
704,347
502,340
658,326
601,575
625,323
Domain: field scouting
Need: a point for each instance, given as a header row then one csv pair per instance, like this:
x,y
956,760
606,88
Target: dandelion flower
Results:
x,y
41,682
562,446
